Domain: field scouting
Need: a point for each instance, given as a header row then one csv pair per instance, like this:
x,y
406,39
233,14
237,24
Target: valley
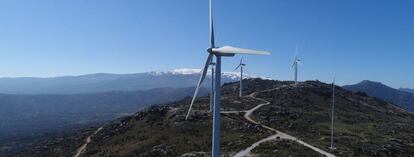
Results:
x,y
26,119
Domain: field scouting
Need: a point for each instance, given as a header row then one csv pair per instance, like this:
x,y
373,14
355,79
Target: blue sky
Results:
x,y
353,40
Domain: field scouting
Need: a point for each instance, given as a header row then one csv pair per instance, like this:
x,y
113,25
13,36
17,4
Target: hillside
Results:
x,y
281,116
381,91
24,118
407,90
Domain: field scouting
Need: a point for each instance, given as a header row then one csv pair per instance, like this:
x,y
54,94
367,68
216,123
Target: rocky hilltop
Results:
x,y
274,118
401,97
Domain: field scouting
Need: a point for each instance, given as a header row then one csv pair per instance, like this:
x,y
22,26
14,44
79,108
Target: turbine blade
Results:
x,y
236,50
294,62
236,68
295,58
212,41
200,81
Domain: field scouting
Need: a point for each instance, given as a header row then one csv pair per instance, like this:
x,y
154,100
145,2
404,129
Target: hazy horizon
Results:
x,y
248,73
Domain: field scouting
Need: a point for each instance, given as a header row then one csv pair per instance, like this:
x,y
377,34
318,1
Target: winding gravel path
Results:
x,y
87,141
279,134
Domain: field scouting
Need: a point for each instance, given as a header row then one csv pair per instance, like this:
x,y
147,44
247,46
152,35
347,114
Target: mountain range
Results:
x,y
401,97
96,83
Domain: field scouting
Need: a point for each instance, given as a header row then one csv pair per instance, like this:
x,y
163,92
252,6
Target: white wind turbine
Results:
x,y
296,62
241,66
218,52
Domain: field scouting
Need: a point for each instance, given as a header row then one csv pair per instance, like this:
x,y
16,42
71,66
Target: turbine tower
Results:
x,y
218,52
296,62
241,65
333,108
212,64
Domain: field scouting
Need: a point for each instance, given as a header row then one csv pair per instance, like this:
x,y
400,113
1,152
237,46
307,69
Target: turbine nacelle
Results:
x,y
296,62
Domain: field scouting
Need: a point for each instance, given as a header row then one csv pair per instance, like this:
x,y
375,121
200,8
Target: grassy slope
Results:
x,y
162,131
364,125
284,148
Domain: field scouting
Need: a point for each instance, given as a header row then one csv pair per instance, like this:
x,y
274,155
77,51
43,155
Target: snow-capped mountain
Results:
x,y
186,71
101,82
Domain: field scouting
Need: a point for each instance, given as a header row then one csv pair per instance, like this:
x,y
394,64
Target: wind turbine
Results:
x,y
218,52
333,108
241,65
296,61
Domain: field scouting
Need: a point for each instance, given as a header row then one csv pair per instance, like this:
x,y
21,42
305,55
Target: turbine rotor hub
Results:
x,y
210,50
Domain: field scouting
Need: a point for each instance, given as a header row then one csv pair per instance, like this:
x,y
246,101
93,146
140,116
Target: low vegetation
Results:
x,y
364,126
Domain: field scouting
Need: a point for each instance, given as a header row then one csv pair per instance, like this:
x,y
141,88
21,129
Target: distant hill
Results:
x,y
96,83
26,116
381,91
364,126
407,90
